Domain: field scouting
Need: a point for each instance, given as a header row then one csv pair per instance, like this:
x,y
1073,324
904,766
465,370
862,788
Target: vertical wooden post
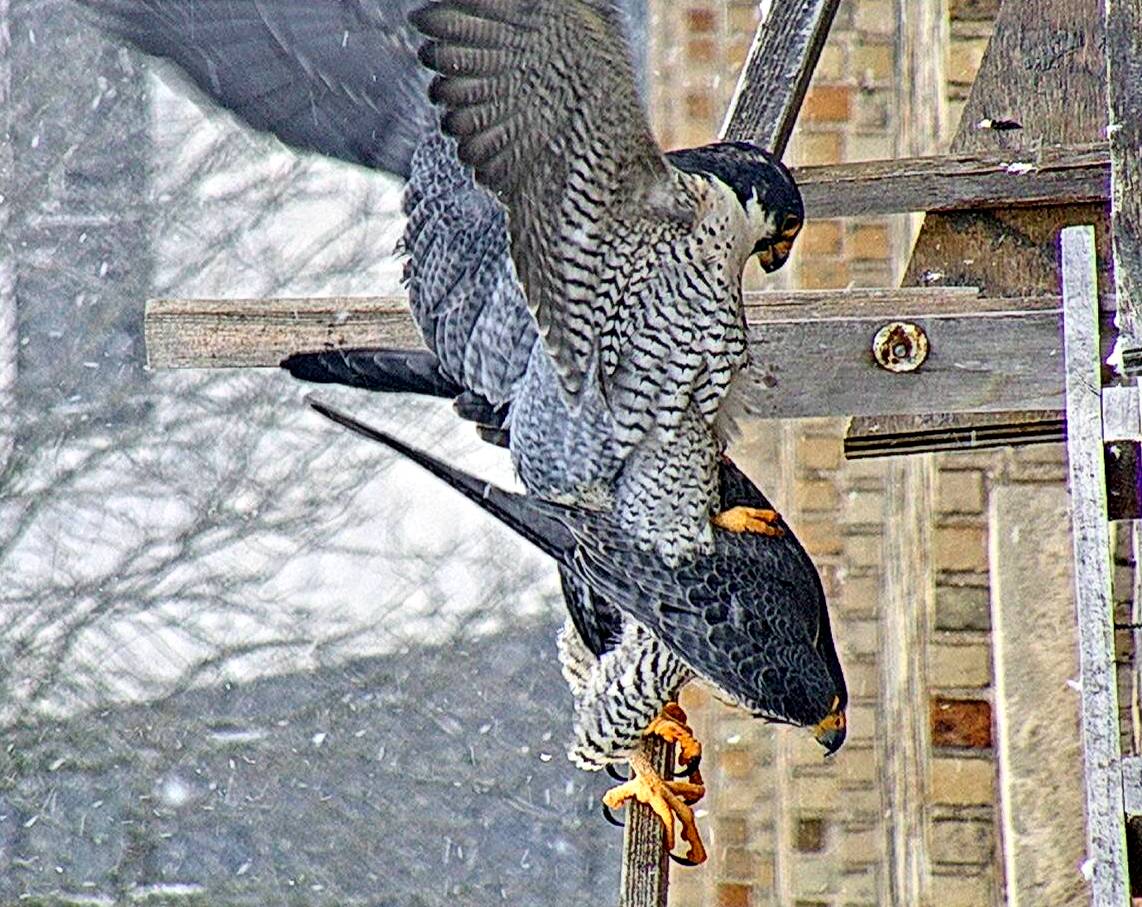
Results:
x,y
1124,75
645,877
8,328
1106,831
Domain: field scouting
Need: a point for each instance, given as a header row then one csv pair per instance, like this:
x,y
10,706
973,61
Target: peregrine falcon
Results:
x,y
749,618
630,259
471,310
608,378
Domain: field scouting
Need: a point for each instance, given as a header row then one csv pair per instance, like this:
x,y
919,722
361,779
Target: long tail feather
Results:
x,y
515,511
401,371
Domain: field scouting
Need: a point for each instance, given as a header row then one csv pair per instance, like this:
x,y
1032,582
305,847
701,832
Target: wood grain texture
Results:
x,y
1044,69
811,352
957,181
777,71
1124,92
1105,825
645,877
234,333
989,362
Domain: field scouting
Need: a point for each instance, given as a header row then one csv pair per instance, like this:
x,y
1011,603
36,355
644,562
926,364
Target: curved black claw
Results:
x,y
610,817
614,772
693,765
683,861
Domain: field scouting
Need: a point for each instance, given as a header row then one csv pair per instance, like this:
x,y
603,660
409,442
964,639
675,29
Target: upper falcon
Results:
x,y
630,259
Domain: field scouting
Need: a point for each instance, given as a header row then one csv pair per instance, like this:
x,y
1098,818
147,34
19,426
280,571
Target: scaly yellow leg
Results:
x,y
668,799
671,726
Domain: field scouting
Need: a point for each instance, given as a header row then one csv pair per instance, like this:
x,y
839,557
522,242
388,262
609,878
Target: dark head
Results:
x,y
804,692
764,187
831,730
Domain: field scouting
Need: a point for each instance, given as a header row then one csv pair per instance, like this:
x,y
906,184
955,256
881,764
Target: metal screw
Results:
x,y
900,346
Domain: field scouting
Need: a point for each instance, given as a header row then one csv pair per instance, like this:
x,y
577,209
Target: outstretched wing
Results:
x,y
541,98
338,77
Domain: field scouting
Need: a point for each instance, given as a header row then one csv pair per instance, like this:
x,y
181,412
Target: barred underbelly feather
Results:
x,y
664,493
627,689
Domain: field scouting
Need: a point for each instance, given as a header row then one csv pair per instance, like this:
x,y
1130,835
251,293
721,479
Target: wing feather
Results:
x,y
542,99
339,77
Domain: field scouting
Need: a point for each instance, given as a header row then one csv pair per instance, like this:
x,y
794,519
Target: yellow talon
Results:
x,y
668,799
671,726
749,519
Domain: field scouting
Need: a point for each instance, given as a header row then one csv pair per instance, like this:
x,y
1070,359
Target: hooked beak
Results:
x,y
773,255
830,733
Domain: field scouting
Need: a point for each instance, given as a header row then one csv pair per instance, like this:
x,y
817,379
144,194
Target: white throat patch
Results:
x,y
762,223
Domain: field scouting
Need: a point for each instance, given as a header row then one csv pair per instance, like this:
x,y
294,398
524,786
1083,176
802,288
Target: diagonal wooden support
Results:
x,y
777,71
1106,829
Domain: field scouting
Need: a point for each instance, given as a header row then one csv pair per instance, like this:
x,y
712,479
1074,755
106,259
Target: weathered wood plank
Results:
x,y
1045,70
645,877
993,361
811,352
230,333
1106,829
238,333
957,181
1124,76
776,75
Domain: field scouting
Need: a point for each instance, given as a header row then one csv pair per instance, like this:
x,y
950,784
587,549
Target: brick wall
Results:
x,y
786,827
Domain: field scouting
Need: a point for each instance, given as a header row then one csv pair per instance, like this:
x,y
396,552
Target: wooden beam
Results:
x,y
776,74
954,182
812,352
243,333
1124,76
237,333
1105,810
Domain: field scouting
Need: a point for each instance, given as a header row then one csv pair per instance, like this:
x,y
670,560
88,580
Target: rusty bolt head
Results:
x,y
900,346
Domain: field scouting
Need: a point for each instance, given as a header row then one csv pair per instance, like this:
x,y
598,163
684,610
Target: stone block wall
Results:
x,y
909,813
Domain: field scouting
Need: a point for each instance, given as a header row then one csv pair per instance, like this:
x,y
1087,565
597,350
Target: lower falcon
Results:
x,y
749,619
